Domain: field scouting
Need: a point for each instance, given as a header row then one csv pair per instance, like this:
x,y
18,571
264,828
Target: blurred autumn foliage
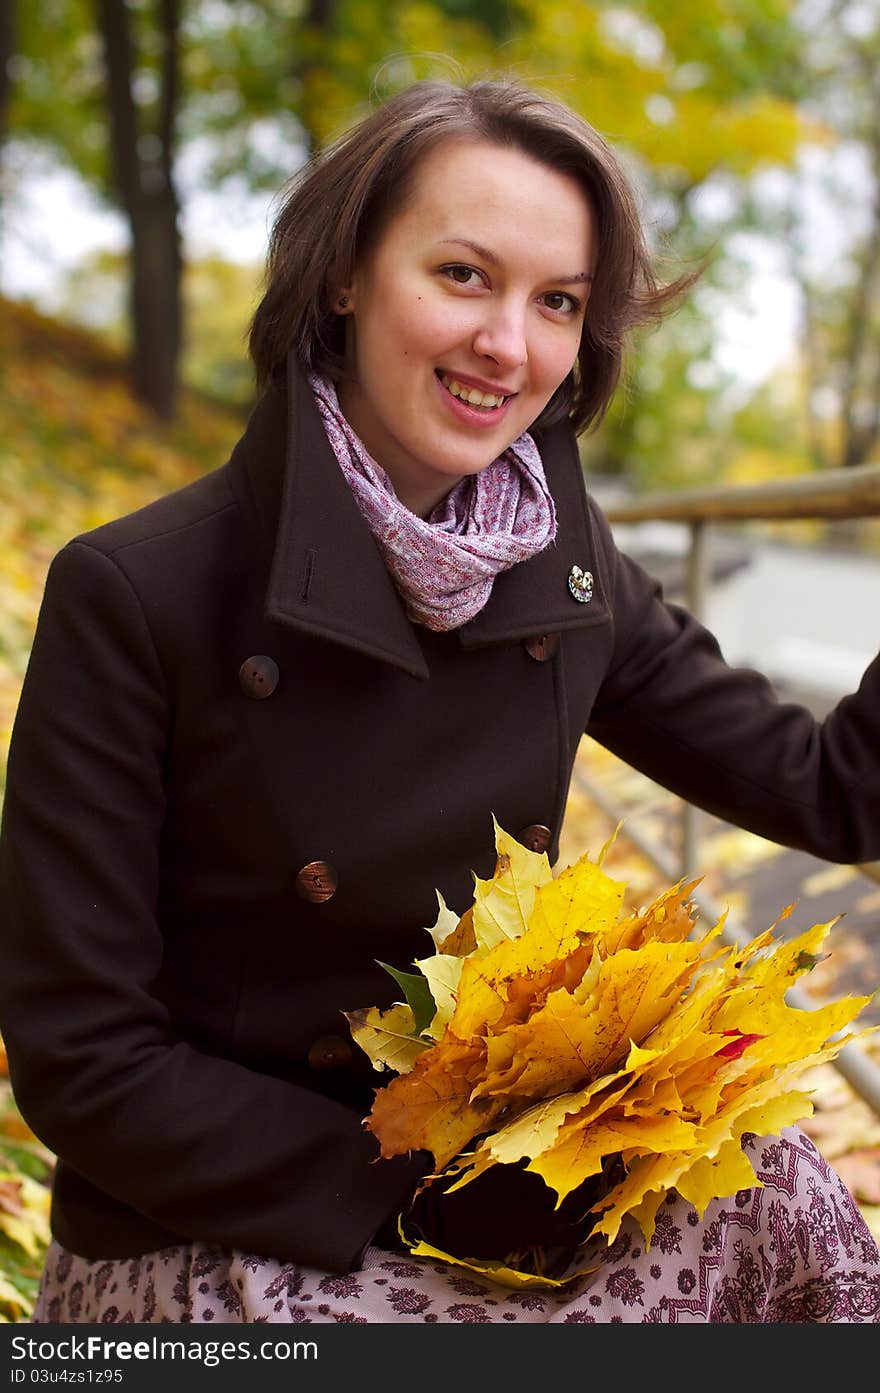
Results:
x,y
77,450
25,1167
749,127
152,105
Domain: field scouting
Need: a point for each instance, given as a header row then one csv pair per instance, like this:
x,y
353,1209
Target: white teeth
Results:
x,y
471,395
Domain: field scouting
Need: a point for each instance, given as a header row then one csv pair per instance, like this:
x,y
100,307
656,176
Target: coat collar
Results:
x,y
326,575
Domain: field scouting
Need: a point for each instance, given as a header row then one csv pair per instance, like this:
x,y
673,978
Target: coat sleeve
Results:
x,y
722,738
203,1146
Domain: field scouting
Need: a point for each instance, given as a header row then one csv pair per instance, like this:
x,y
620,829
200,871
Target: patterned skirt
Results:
x,y
793,1249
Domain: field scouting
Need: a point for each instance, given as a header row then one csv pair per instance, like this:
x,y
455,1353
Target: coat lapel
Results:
x,y
326,575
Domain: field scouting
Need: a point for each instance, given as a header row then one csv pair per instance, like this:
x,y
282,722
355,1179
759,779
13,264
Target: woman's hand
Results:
x,y
504,1214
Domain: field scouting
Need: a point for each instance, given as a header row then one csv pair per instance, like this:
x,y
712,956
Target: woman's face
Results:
x,y
476,288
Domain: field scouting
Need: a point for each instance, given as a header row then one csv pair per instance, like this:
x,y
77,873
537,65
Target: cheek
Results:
x,y
422,327
557,362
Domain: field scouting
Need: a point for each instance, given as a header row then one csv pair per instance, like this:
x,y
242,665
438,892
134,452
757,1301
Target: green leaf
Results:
x,y
418,995
805,962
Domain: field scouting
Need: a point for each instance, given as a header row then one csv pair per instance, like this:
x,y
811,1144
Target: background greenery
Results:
x,y
746,124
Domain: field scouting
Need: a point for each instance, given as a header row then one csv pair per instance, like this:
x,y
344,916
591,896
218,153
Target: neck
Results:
x,y
418,491
420,501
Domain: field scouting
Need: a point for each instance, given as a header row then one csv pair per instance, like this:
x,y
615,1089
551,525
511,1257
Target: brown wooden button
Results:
x,y
258,676
329,1052
536,836
542,646
316,882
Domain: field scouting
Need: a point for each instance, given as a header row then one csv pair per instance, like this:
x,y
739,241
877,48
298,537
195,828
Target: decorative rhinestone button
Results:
x,y
580,583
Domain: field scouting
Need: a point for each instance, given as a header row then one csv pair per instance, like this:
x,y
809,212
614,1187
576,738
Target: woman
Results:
x,y
266,718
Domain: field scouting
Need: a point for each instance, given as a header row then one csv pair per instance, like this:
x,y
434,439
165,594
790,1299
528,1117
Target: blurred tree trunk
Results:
x,y
840,304
143,179
316,35
860,409
7,52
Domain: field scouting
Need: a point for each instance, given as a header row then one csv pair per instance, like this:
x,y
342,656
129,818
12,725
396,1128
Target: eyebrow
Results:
x,y
578,278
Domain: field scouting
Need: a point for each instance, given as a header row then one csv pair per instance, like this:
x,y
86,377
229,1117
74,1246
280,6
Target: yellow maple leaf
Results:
x,y
461,939
581,1147
534,1132
443,975
670,918
503,905
728,1169
387,1036
445,925
500,1272
429,1108
582,899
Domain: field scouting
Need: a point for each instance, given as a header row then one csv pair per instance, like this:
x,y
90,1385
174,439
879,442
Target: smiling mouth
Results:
x,y
472,396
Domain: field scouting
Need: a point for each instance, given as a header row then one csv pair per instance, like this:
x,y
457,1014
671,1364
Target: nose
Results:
x,y
501,336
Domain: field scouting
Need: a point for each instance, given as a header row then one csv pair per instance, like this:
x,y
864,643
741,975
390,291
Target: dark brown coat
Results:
x,y
165,980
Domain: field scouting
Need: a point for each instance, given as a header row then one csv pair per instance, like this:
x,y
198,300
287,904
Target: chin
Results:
x,y
463,469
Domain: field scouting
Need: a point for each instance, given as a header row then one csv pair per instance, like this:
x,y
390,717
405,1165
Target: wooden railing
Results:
x,y
833,494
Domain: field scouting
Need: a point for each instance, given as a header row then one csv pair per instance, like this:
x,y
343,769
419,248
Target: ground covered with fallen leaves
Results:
x,y
76,450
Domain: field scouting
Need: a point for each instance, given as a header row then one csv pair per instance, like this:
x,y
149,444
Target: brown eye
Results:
x,y
462,275
558,300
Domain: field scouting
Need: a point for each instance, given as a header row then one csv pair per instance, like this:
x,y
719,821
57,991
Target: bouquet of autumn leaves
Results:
x,y
551,1028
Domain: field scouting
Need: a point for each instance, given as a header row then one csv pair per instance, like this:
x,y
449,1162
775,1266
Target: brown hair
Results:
x,y
336,207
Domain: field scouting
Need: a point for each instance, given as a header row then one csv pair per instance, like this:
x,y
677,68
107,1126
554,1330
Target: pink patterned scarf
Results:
x,y
444,565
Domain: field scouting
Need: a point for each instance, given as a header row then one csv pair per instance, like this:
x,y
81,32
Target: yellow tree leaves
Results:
x,y
566,1035
24,1211
76,450
434,1110
24,1207
388,1036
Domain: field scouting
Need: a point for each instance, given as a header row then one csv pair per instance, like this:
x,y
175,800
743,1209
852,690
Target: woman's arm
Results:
x,y
721,738
201,1145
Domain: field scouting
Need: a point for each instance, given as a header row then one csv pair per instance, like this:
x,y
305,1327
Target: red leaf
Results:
x,y
736,1046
